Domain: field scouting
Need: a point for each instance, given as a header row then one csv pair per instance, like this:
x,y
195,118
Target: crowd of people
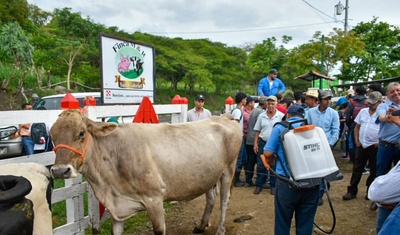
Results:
x,y
364,125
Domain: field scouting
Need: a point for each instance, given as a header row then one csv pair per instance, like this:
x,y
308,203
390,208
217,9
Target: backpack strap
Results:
x,y
241,114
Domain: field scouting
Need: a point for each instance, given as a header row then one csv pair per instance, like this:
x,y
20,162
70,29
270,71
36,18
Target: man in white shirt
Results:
x,y
240,100
198,112
366,140
263,127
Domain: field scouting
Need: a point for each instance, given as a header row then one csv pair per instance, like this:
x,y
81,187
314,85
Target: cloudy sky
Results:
x,y
231,22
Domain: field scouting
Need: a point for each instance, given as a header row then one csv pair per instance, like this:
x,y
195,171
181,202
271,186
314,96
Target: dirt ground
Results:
x,y
352,217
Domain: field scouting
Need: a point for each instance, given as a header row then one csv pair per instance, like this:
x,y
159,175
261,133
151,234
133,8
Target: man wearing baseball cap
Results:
x,y
366,140
288,201
263,127
251,155
271,85
328,119
198,112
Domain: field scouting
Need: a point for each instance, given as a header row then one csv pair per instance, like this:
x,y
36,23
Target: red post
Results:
x,y
69,102
229,101
89,101
176,99
184,100
146,112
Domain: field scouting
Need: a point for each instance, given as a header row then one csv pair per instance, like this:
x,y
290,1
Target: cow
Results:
x,y
135,167
40,195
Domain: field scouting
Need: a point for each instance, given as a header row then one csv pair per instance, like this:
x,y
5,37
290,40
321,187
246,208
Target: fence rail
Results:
x,y
74,190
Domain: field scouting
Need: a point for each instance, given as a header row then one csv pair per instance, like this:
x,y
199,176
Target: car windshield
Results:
x,y
54,103
49,104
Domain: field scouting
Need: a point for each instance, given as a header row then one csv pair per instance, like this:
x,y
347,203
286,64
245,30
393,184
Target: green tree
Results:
x,y
15,44
381,56
73,34
37,16
14,11
339,49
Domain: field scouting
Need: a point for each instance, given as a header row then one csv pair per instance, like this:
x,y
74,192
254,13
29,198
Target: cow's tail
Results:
x,y
227,115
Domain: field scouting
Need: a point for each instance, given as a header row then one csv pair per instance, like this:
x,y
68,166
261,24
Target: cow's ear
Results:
x,y
101,128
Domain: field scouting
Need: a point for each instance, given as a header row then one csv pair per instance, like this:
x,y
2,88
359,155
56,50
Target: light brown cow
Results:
x,y
136,167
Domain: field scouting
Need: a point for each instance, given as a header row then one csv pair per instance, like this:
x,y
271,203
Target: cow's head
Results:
x,y
72,135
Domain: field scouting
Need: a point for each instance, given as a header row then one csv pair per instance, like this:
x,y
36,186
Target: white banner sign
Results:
x,y
127,70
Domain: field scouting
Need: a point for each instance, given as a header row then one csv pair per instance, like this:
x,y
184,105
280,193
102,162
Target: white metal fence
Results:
x,y
73,192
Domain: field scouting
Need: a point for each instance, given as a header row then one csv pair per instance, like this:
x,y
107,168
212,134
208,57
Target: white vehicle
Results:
x,y
10,142
53,102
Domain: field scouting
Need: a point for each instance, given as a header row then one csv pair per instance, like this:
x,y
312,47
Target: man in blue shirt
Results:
x,y
271,85
389,135
302,203
328,119
325,117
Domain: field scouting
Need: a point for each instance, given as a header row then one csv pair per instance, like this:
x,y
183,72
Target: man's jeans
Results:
x,y
242,158
386,156
383,214
262,172
27,144
301,203
392,223
251,162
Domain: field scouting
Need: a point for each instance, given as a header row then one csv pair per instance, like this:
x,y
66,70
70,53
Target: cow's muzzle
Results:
x,y
63,172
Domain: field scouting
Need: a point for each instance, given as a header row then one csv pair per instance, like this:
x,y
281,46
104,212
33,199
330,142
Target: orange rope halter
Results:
x,y
81,154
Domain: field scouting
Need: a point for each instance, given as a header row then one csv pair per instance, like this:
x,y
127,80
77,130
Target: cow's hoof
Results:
x,y
197,230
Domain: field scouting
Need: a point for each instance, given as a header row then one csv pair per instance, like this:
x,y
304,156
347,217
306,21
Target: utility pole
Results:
x,y
339,9
322,69
346,17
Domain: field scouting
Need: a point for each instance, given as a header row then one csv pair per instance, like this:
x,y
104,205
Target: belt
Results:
x,y
25,136
388,143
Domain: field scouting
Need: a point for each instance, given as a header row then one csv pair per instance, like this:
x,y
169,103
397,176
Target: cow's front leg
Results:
x,y
117,226
155,208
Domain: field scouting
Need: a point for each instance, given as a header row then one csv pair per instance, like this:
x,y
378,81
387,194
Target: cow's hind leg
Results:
x,y
211,195
117,226
226,182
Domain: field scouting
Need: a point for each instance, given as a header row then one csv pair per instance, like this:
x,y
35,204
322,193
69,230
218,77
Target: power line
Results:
x,y
243,30
318,10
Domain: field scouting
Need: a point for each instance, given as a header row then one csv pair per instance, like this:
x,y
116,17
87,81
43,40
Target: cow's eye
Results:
x,y
82,134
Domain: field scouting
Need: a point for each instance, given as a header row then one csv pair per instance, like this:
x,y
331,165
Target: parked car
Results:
x,y
53,102
10,142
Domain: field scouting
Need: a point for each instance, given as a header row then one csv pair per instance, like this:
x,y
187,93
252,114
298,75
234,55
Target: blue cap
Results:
x,y
296,109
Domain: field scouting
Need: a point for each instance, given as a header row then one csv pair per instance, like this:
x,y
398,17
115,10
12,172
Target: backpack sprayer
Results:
x,y
309,159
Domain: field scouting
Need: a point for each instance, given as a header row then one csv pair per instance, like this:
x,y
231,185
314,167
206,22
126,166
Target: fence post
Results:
x,y
75,208
229,104
182,116
93,211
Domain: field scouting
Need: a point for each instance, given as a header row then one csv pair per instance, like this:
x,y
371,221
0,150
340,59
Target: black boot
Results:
x,y
238,182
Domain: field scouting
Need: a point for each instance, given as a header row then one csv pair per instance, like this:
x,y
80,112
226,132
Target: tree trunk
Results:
x,y
7,81
20,88
70,63
69,76
48,79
